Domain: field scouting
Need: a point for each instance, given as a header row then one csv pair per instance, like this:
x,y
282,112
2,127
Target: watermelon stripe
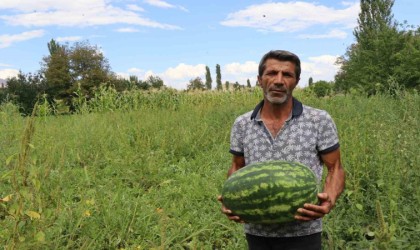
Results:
x,y
270,192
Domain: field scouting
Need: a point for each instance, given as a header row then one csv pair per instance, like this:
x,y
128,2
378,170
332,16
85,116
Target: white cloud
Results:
x,y
248,67
291,16
159,3
176,77
164,4
319,68
75,13
240,72
7,40
127,30
336,33
182,71
8,73
69,39
134,7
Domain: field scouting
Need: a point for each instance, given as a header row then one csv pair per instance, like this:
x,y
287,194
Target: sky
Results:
x,y
177,39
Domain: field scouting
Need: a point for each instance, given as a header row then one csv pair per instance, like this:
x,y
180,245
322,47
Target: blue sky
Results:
x,y
176,39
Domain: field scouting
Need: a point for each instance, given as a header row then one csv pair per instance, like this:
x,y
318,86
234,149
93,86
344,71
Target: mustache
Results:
x,y
278,88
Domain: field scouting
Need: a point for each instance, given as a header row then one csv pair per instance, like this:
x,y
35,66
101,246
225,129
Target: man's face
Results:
x,y
278,81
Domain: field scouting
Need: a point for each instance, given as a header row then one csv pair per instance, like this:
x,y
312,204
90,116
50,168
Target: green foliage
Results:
x,y
208,78
218,78
24,90
321,88
131,174
196,84
382,52
248,83
57,71
154,82
310,81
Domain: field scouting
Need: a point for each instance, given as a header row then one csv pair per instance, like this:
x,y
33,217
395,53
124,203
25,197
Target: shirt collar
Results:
x,y
297,109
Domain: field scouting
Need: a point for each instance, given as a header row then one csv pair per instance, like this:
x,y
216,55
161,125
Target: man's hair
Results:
x,y
281,55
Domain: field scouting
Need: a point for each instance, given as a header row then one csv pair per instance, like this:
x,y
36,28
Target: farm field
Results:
x,y
146,175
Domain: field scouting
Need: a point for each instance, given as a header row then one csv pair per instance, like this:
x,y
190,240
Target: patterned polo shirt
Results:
x,y
306,134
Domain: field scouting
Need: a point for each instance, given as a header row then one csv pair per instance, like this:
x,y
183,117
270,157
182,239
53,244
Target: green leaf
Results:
x,y
359,206
40,236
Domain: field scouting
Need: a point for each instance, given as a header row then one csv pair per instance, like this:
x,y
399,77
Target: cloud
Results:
x,y
176,77
319,68
159,3
164,4
8,73
69,39
336,33
292,16
7,40
134,7
248,67
75,13
127,30
180,76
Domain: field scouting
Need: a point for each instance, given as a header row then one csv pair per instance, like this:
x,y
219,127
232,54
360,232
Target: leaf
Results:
x,y
7,198
40,236
9,159
33,215
359,206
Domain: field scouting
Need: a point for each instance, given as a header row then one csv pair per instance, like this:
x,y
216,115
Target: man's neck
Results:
x,y
277,112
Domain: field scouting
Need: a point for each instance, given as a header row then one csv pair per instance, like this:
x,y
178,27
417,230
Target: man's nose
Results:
x,y
279,78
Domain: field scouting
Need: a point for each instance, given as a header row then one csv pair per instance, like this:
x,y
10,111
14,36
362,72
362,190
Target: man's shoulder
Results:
x,y
244,117
314,112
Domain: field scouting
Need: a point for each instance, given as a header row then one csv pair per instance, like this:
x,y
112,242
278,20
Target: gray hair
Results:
x,y
281,55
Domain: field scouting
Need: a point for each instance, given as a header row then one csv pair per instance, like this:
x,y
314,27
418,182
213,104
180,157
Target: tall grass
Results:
x,y
143,170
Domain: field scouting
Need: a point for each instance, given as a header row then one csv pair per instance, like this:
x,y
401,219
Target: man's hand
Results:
x,y
228,212
312,212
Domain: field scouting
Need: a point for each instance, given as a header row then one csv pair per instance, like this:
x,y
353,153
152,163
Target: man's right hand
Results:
x,y
228,212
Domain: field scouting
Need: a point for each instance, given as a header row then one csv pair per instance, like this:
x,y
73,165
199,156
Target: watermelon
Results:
x,y
270,192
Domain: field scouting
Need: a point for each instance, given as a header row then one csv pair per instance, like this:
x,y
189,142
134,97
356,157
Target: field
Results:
x,y
144,173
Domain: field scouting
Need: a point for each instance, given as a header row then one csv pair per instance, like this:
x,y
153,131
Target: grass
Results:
x,y
143,172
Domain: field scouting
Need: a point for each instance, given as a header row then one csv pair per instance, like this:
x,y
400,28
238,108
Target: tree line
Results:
x,y
384,58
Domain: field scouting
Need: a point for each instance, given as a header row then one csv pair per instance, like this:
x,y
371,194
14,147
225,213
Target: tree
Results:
x,y
154,82
68,68
248,83
237,86
56,70
321,88
407,60
196,84
218,77
310,81
208,78
25,89
227,85
368,63
88,67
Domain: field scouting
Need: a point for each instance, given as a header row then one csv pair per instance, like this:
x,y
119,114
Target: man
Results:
x,y
282,128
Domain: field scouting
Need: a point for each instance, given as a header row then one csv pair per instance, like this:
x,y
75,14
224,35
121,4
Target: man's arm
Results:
x,y
237,163
333,187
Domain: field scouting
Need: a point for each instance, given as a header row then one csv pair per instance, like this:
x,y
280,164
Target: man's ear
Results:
x,y
259,81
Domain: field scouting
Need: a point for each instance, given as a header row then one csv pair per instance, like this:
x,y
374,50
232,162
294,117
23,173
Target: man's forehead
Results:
x,y
274,64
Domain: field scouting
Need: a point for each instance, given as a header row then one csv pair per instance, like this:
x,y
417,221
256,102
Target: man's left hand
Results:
x,y
312,211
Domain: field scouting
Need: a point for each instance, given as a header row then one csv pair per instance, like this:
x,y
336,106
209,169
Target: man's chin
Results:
x,y
277,100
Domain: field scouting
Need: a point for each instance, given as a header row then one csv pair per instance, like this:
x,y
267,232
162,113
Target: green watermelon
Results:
x,y
270,192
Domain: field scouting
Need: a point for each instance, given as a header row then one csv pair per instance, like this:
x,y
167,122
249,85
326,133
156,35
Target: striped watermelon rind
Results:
x,y
270,192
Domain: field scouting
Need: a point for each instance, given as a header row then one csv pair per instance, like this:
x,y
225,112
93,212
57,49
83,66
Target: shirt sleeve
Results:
x,y
237,138
327,135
